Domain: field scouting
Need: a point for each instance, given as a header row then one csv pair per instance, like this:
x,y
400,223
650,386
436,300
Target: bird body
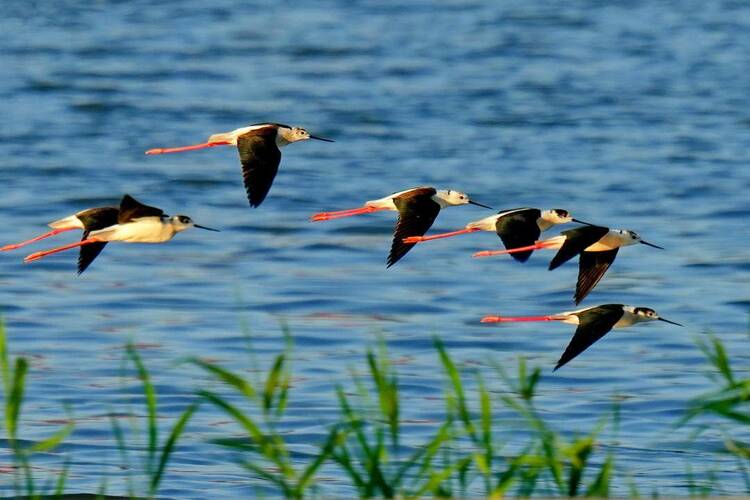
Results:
x,y
516,227
259,149
597,247
142,230
417,208
132,222
592,324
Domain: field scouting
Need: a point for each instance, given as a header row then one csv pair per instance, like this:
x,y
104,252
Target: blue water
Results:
x,y
632,115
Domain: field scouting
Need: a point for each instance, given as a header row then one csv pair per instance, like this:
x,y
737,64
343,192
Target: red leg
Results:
x,y
344,213
59,230
419,239
158,151
536,246
509,319
44,253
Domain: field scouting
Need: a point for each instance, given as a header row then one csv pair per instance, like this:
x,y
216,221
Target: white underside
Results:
x,y
144,230
609,241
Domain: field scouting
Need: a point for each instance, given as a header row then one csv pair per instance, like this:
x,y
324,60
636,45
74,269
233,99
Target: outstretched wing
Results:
x,y
591,269
260,158
519,229
88,253
576,241
94,219
416,213
593,324
130,209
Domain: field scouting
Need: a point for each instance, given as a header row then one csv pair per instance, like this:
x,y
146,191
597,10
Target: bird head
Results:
x,y
648,314
299,134
182,222
449,197
631,238
557,216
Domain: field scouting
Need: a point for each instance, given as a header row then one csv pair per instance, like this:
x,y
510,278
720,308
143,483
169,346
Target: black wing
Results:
x,y
519,229
88,253
594,324
416,213
260,158
130,209
591,269
93,220
576,241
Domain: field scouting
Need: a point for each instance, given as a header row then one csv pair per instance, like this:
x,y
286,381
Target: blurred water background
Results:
x,y
632,115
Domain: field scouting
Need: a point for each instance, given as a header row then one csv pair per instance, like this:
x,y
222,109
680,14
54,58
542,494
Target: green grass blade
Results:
x,y
272,383
15,398
169,445
229,378
62,479
601,486
149,394
4,361
53,441
308,474
342,456
272,450
455,378
264,474
123,450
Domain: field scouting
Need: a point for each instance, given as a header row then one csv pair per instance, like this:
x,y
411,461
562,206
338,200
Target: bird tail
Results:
x,y
223,137
66,222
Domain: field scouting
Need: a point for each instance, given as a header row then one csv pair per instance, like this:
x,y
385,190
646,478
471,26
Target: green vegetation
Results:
x,y
467,453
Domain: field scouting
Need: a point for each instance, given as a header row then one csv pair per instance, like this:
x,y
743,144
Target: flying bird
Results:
x,y
516,227
593,323
259,147
417,209
596,245
89,220
134,222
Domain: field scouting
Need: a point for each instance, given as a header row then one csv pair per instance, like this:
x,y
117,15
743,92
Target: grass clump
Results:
x,y
13,374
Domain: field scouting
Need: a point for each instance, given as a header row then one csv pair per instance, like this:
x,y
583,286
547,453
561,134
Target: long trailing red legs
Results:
x,y
38,255
344,213
419,239
536,246
510,319
158,151
58,230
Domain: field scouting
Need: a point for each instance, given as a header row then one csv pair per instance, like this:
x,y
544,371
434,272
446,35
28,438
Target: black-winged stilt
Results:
x,y
593,323
134,223
417,209
516,227
259,147
596,245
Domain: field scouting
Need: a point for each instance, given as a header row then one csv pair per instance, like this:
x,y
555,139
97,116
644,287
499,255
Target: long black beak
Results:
x,y
480,205
651,245
321,139
581,222
206,228
670,322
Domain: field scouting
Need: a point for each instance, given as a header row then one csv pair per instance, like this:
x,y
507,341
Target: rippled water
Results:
x,y
632,115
